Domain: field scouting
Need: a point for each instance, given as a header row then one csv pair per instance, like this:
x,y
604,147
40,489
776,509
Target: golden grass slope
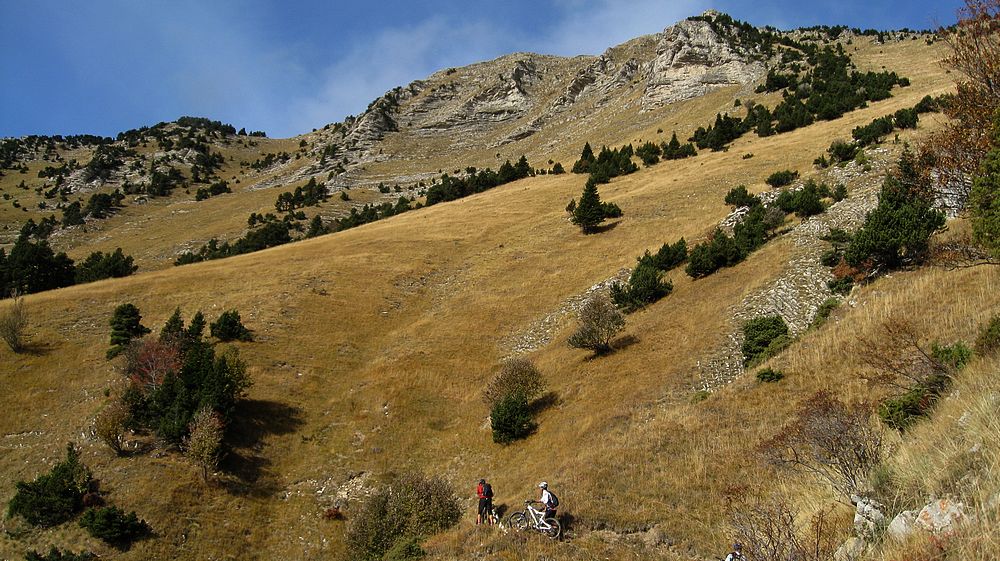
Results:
x,y
372,346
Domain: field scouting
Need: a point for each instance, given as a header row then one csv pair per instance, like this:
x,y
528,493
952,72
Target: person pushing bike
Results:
x,y
548,499
485,493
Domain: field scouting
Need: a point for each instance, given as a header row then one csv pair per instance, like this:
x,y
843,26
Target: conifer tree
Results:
x,y
589,212
174,328
125,326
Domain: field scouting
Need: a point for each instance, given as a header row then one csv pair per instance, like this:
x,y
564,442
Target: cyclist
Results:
x,y
485,493
548,499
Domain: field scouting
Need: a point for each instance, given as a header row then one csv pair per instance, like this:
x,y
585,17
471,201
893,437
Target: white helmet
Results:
x,y
543,485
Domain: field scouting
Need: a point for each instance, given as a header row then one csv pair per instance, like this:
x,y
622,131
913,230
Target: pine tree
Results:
x,y
125,326
174,328
589,212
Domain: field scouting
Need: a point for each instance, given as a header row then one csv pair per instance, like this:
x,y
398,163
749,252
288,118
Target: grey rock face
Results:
x,y
691,60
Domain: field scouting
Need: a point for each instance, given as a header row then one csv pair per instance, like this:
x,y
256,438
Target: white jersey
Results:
x,y
546,497
735,556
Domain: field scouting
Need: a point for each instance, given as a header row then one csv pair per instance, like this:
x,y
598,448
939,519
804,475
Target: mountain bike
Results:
x,y
535,519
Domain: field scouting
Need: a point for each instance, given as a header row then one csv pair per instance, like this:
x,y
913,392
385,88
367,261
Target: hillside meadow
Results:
x,y
372,346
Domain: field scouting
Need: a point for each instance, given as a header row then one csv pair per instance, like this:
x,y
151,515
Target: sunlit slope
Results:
x,y
373,345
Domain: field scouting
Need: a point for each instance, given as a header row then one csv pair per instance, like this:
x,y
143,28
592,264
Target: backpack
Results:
x,y
488,491
553,500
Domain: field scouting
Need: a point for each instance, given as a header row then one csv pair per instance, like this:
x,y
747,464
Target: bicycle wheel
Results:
x,y
518,521
553,530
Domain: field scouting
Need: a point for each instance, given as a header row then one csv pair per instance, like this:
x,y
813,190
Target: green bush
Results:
x,y
759,334
902,411
405,550
954,356
407,509
841,285
830,258
824,311
989,339
113,526
781,178
739,196
511,419
57,555
644,287
100,266
229,327
54,497
842,151
517,375
769,375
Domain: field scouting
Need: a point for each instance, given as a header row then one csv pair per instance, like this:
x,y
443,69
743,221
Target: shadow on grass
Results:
x,y
547,400
35,348
623,342
246,463
604,227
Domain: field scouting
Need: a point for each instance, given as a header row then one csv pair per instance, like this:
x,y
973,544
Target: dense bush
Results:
x,y
842,151
229,327
645,286
902,411
410,508
874,132
54,497
510,419
674,150
669,256
781,178
823,313
600,321
55,554
804,202
113,526
517,376
898,231
590,211
739,196
769,375
763,337
99,265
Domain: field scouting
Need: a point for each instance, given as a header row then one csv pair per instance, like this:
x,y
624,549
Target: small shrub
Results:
x,y
229,327
769,375
739,196
842,151
55,554
760,334
834,441
600,321
109,425
204,445
516,376
830,258
781,178
645,286
405,550
113,526
954,356
824,311
54,497
406,509
14,324
902,411
511,419
989,339
841,285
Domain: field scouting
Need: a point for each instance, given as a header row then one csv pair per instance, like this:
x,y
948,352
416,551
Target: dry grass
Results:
x,y
372,346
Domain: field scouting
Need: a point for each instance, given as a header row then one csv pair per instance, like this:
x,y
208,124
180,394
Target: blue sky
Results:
x,y
103,66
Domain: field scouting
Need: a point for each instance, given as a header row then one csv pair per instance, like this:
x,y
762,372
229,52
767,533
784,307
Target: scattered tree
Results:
x,y
600,321
54,497
109,425
229,327
125,326
113,526
517,376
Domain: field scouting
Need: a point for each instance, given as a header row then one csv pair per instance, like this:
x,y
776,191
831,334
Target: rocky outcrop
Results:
x,y
691,60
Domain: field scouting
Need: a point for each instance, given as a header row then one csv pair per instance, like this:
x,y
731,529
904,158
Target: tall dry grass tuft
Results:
x,y
14,324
